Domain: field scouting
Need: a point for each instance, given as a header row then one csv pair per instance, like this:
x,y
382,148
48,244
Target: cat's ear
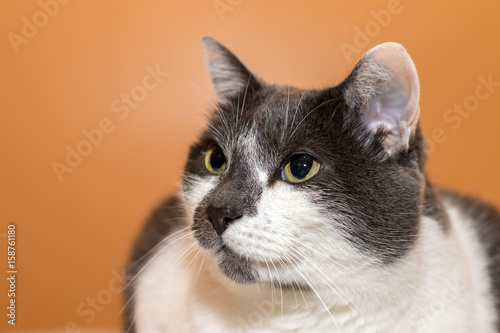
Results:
x,y
384,88
229,76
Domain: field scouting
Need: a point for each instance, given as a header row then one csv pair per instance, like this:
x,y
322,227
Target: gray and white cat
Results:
x,y
310,211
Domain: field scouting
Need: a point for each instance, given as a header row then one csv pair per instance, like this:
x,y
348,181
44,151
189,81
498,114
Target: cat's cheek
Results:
x,y
196,189
259,239
277,227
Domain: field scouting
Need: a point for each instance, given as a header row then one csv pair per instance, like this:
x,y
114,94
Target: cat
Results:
x,y
311,211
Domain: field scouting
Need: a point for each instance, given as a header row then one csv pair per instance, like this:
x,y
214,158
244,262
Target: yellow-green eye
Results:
x,y
215,161
300,168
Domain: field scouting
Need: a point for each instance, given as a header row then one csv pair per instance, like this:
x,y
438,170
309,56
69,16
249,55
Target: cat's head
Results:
x,y
286,181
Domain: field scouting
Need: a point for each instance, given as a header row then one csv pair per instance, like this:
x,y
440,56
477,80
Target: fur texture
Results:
x,y
365,245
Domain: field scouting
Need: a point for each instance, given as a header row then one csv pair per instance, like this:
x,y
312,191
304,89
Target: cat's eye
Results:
x,y
215,161
300,168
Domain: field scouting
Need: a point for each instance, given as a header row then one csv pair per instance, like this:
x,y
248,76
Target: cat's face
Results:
x,y
287,184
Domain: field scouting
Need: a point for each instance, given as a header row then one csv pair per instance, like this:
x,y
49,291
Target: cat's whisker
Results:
x,y
335,288
203,122
293,263
285,124
180,256
294,291
186,251
297,108
134,318
201,90
244,99
307,115
130,298
271,283
222,285
215,105
137,289
200,268
166,240
319,297
221,115
296,299
237,109
281,291
327,257
258,289
193,259
217,133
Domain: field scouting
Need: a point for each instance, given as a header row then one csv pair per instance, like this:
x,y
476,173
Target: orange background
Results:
x,y
73,234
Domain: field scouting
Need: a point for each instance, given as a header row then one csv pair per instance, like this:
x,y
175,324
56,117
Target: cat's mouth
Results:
x,y
236,267
258,263
257,270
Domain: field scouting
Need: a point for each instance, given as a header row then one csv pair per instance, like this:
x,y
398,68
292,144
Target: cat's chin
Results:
x,y
245,271
235,267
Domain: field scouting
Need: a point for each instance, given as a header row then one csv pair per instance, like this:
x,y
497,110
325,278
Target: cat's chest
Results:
x,y
185,292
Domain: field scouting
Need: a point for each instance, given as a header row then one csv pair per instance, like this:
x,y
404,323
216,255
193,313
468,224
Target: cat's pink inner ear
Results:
x,y
229,75
393,103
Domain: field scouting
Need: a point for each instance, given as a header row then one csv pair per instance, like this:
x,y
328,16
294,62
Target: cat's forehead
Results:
x,y
269,117
262,121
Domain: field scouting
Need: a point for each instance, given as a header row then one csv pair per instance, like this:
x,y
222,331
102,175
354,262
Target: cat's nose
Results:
x,y
221,217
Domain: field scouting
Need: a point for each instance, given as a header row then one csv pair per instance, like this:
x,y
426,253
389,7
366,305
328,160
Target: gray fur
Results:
x,y
487,223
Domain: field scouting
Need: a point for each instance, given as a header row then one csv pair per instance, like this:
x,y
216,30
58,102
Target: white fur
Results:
x,y
440,286
263,178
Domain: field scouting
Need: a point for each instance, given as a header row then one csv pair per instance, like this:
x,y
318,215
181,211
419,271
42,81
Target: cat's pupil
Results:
x,y
217,159
300,165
